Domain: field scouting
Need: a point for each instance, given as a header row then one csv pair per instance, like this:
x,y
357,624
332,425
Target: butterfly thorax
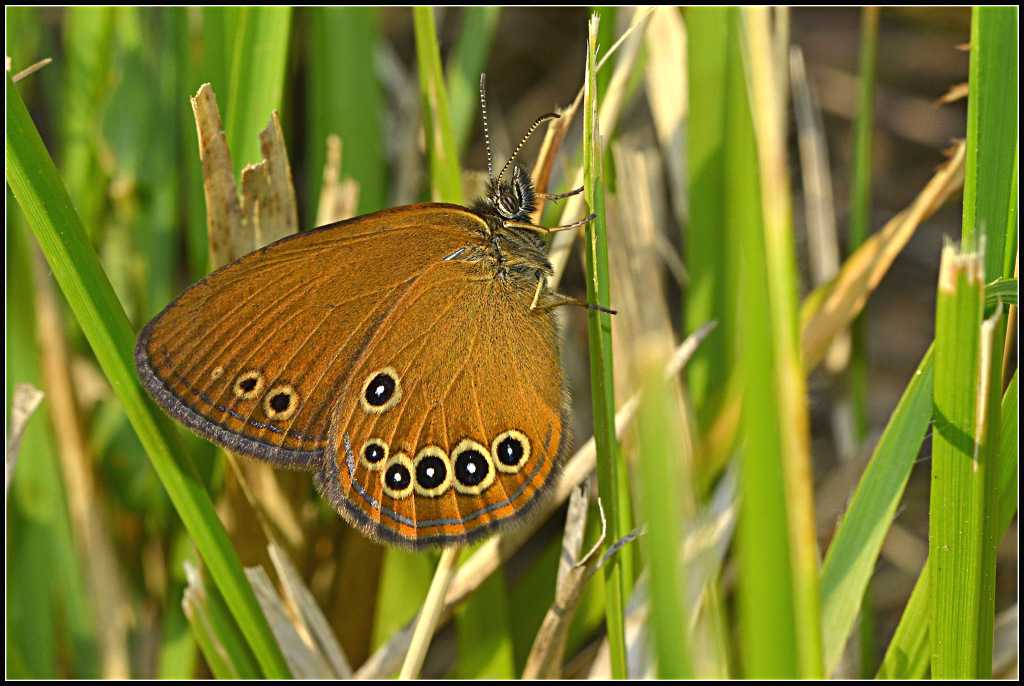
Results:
x,y
515,253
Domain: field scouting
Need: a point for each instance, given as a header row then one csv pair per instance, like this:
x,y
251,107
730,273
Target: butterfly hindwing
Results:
x,y
453,419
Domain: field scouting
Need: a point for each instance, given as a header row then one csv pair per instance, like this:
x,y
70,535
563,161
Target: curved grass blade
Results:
x,y
41,195
602,380
851,558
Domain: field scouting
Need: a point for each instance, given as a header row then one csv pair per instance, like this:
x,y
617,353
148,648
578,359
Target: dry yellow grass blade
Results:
x,y
339,197
574,572
428,618
268,196
307,616
25,401
96,549
829,309
610,111
667,90
223,209
265,504
303,661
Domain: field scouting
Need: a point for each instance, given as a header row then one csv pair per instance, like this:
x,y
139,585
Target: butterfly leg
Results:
x,y
551,196
562,300
545,229
536,295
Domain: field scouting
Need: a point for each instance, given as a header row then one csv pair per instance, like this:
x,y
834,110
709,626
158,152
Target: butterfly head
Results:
x,y
514,199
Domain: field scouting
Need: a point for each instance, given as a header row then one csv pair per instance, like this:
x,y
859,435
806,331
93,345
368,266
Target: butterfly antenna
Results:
x,y
540,120
487,136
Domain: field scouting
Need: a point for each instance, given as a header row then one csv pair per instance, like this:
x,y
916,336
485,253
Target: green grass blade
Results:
x,y
607,34
711,56
602,380
345,97
768,79
960,461
660,481
1008,458
528,600
963,537
145,105
1010,249
1002,291
179,651
88,37
992,109
219,33
764,602
909,651
851,558
860,213
777,597
57,227
465,64
191,73
445,173
256,79
484,633
404,582
860,205
216,632
990,223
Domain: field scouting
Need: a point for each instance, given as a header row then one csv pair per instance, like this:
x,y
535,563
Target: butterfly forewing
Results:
x,y
255,355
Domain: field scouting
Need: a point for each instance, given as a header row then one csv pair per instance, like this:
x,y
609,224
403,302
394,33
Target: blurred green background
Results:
x,y
114,113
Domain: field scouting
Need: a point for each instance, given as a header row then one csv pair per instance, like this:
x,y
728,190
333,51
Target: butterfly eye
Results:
x,y
508,205
471,463
433,472
374,453
248,385
381,391
397,477
510,450
281,402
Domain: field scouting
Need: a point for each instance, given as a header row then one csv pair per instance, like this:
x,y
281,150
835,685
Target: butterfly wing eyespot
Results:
x,y
381,391
510,450
248,385
397,477
433,472
374,454
473,467
281,402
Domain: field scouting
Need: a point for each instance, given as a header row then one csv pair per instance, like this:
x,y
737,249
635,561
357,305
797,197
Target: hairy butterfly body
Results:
x,y
410,357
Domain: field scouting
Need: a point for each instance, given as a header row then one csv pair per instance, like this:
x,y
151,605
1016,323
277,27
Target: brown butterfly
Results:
x,y
409,356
